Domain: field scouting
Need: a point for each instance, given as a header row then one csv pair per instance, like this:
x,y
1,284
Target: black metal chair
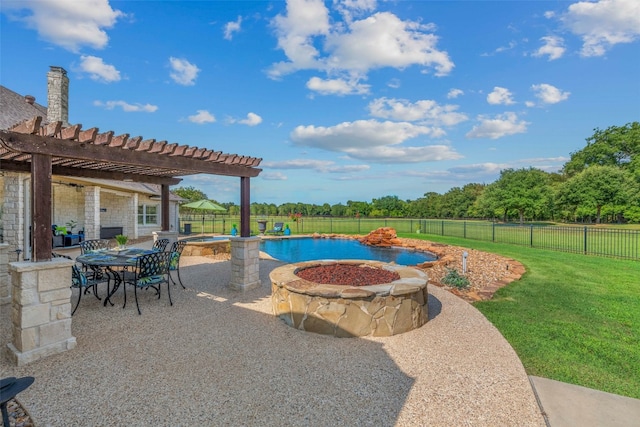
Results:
x,y
86,246
152,270
84,283
160,245
174,265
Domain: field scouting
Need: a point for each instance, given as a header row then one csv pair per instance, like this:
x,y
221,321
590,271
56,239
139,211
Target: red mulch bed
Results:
x,y
347,275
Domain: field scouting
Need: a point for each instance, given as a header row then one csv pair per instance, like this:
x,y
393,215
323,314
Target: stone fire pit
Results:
x,y
350,311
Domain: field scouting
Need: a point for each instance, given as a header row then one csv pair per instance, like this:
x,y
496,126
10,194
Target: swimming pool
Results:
x,y
308,249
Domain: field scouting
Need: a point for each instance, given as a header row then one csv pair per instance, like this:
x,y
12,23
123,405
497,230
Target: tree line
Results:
x,y
599,183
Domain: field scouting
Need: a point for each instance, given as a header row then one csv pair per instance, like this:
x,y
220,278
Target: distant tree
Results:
x,y
388,206
615,146
526,191
338,210
190,194
598,186
358,208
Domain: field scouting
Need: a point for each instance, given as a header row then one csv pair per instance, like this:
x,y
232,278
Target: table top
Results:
x,y
113,257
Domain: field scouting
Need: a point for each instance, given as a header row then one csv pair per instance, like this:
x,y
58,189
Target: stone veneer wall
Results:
x,y
68,205
41,310
350,311
245,263
5,284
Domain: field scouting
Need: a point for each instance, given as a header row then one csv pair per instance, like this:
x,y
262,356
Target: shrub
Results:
x,y
455,279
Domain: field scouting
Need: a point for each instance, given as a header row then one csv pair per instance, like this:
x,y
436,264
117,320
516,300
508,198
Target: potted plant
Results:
x,y
71,225
122,240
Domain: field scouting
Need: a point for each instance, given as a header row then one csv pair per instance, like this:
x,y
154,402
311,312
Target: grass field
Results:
x,y
572,318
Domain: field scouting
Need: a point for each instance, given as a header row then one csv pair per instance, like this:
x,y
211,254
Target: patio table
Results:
x,y
115,262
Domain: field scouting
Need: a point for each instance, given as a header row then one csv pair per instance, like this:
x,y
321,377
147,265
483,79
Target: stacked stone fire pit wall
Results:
x,y
350,311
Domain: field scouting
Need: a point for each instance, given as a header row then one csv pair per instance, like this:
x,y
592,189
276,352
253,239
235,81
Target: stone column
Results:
x,y
91,213
41,312
245,263
5,284
13,210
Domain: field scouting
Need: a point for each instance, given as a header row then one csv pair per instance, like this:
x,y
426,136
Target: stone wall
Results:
x,y
68,204
41,310
5,284
350,311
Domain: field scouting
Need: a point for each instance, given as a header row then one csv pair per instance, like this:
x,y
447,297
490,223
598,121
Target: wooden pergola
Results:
x,y
51,149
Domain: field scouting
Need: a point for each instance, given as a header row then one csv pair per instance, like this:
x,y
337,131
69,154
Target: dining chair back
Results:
x,y
174,265
152,270
94,245
83,283
160,244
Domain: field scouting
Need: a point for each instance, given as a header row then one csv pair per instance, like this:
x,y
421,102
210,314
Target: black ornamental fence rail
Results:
x,y
589,240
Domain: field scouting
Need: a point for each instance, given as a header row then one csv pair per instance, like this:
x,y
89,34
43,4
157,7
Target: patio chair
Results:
x,y
94,245
151,271
160,245
83,283
278,228
174,265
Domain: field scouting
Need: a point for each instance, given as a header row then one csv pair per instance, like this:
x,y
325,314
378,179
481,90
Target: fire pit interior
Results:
x,y
350,298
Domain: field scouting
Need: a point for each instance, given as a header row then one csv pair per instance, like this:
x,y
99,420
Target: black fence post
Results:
x,y
585,240
464,229
531,235
493,232
442,228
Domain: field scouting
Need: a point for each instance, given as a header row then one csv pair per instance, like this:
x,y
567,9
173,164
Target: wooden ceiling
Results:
x,y
91,154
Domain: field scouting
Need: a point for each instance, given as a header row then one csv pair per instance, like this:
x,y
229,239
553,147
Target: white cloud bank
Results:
x,y
126,107
202,117
337,86
183,72
352,47
548,94
252,120
603,24
498,126
232,27
500,96
373,141
323,166
67,23
98,70
553,47
423,111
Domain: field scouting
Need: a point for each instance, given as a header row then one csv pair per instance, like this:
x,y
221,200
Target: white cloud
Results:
x,y
373,140
501,49
454,93
548,94
324,166
603,24
232,27
351,8
497,127
337,86
184,72
553,47
394,83
126,107
353,47
500,96
98,70
273,176
425,111
252,120
202,117
487,168
68,23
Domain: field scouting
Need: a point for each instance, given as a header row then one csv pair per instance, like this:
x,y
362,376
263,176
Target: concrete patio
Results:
x,y
220,357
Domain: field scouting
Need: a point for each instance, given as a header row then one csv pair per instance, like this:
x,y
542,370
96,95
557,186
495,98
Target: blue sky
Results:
x,y
344,99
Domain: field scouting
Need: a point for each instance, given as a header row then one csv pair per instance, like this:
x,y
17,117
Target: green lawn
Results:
x,y
572,318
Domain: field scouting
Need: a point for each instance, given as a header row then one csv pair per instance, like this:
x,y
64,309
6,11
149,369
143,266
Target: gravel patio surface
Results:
x,y
220,358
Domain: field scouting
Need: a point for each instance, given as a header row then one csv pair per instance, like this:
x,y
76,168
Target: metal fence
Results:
x,y
607,242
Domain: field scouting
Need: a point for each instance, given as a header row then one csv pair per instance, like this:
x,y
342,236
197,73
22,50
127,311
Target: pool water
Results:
x,y
308,249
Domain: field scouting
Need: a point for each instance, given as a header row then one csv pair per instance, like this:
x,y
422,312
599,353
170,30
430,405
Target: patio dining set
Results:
x,y
140,268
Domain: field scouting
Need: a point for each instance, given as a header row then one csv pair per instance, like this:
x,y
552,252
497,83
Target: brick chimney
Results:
x,y
58,95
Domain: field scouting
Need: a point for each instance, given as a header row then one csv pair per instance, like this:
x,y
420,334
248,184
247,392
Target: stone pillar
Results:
x,y
41,311
58,95
13,210
245,263
5,283
171,235
91,213
131,218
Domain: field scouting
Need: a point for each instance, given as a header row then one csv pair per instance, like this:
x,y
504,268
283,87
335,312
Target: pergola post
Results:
x,y
245,250
41,207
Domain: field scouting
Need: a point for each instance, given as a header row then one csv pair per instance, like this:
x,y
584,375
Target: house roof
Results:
x,y
136,187
16,109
